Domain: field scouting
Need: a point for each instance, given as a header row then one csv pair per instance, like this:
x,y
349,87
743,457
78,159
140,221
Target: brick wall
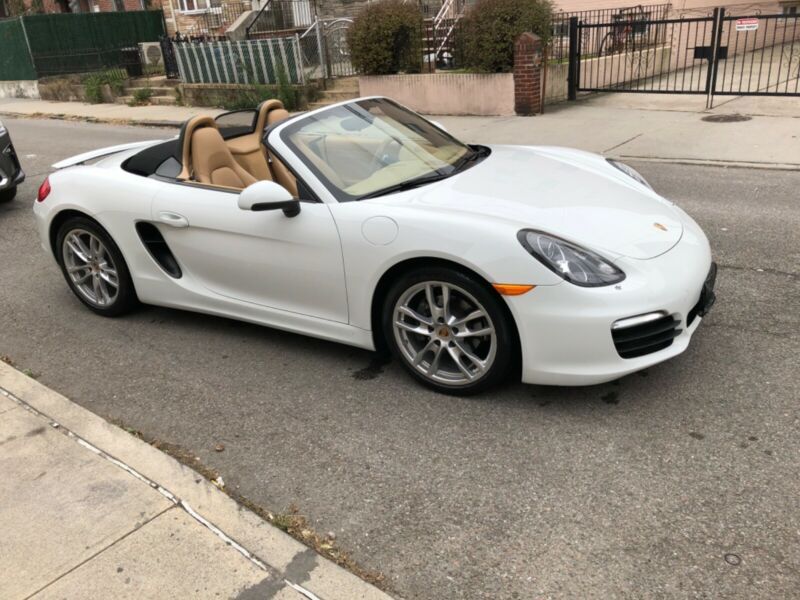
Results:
x,y
527,74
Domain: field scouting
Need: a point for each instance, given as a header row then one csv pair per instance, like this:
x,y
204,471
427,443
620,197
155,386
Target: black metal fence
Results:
x,y
222,14
714,55
282,16
616,20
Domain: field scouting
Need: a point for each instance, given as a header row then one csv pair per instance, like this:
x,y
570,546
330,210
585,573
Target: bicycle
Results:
x,y
624,32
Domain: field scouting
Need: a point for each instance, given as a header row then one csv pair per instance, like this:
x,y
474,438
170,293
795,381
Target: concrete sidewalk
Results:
x,y
89,511
633,127
152,115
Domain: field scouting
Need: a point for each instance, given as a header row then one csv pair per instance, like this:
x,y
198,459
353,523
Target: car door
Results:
x,y
265,258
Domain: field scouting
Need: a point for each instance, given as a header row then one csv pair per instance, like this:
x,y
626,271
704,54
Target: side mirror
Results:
x,y
268,195
439,125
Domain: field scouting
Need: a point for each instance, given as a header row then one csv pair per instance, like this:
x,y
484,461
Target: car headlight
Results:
x,y
575,264
630,172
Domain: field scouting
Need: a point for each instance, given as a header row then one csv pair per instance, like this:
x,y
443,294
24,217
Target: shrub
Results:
x,y
293,97
386,38
93,84
491,27
141,97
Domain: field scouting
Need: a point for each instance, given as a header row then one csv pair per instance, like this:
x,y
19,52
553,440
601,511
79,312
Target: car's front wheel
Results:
x,y
94,268
8,194
449,330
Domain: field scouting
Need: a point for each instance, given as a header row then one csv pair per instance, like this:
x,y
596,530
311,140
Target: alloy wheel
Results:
x,y
90,268
444,333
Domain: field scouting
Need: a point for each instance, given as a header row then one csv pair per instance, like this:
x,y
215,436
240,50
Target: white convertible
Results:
x,y
366,224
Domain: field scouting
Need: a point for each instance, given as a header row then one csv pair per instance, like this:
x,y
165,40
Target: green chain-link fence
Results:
x,y
40,45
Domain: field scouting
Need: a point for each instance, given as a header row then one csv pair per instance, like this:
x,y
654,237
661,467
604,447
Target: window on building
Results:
x,y
119,5
791,9
189,6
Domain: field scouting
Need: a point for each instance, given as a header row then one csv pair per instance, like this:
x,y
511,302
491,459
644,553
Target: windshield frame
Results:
x,y
340,195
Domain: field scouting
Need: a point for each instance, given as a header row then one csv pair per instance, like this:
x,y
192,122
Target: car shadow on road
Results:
x,y
237,340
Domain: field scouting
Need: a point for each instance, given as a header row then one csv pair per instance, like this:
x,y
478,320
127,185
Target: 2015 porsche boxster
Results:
x,y
367,224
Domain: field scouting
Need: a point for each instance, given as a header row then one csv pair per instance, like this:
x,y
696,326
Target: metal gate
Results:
x,y
756,55
325,51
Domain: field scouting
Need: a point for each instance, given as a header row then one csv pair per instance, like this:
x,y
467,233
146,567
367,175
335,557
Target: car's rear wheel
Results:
x,y
94,268
8,195
449,330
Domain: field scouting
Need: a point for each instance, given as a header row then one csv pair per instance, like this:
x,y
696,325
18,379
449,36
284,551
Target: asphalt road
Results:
x,y
681,481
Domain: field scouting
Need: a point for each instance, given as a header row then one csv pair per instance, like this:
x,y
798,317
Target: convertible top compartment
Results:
x,y
147,162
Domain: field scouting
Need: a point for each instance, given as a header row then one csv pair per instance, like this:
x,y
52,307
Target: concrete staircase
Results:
x,y
339,90
162,90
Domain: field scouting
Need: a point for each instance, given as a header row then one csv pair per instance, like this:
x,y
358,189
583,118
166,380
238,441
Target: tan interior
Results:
x,y
207,158
281,174
213,163
248,150
192,125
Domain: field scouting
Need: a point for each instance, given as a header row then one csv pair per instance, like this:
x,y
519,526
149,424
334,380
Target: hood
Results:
x,y
567,193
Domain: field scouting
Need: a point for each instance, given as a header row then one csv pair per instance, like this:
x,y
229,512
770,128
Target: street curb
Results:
x,y
319,576
99,120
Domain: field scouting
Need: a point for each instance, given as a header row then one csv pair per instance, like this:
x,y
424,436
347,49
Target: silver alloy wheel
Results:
x,y
444,333
90,268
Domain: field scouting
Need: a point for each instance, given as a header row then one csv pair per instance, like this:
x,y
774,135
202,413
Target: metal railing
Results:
x,y
221,15
558,46
282,16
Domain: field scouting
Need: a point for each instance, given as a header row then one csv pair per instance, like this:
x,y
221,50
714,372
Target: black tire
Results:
x,y
125,299
506,348
8,194
607,46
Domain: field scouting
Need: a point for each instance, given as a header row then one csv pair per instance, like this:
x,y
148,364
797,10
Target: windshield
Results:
x,y
367,148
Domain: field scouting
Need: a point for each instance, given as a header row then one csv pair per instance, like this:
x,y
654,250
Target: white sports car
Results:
x,y
367,224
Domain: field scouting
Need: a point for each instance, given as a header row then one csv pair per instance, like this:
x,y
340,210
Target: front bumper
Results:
x,y
566,331
11,173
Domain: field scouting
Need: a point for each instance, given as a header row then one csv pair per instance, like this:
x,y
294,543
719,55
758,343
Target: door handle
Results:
x,y
173,219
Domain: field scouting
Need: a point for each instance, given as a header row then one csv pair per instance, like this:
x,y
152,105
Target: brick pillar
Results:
x,y
527,74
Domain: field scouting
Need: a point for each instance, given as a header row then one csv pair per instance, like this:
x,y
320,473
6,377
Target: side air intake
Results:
x,y
157,247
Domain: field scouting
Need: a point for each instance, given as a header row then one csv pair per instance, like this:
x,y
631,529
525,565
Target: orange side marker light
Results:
x,y
511,289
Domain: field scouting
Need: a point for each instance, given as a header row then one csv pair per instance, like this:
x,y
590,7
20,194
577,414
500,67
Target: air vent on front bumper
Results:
x,y
638,339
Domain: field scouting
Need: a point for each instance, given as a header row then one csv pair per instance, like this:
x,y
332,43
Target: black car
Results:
x,y
11,174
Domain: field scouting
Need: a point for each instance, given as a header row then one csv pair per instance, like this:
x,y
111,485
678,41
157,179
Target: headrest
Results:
x,y
276,115
185,141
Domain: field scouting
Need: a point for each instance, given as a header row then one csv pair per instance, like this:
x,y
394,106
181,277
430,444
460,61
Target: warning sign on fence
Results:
x,y
746,24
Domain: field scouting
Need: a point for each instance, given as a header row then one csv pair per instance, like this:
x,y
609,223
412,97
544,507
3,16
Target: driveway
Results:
x,y
680,481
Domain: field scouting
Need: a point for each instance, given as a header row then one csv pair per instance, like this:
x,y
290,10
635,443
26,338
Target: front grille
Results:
x,y
647,338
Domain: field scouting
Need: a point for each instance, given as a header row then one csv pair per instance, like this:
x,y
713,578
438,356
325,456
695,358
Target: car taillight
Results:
x,y
44,190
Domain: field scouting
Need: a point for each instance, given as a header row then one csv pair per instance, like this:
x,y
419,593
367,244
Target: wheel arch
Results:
x,y
62,217
413,264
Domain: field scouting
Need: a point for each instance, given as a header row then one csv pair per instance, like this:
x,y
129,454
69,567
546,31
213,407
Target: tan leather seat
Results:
x,y
280,173
249,150
213,163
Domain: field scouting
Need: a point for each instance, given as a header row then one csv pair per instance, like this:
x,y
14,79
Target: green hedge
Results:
x,y
490,28
386,38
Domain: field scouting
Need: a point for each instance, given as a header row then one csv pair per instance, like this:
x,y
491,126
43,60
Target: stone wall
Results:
x,y
481,94
446,93
19,89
